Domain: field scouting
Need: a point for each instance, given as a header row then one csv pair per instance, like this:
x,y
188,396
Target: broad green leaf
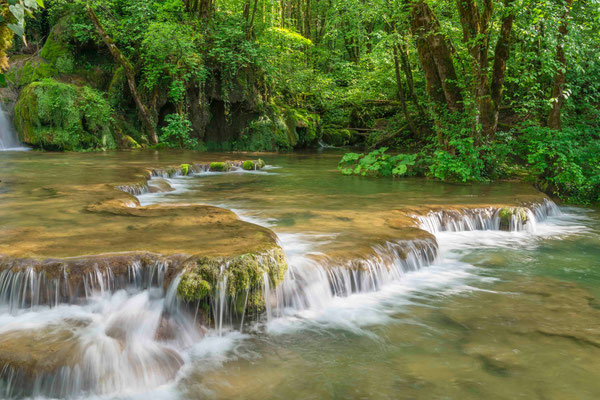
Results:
x,y
18,11
17,29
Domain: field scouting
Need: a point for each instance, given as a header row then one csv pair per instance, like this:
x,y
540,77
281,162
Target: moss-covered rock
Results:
x,y
250,165
305,126
56,49
185,169
35,69
220,166
60,116
205,276
336,137
509,214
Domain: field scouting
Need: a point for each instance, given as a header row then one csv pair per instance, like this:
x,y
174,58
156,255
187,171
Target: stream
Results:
x,y
366,309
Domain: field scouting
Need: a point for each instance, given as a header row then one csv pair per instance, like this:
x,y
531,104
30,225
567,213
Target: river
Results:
x,y
369,308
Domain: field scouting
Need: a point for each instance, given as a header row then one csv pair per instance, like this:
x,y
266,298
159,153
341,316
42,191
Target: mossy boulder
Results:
x,y
250,165
219,166
33,70
336,136
59,116
185,169
508,214
205,276
305,126
56,49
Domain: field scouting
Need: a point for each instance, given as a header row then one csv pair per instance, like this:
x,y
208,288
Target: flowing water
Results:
x,y
477,313
8,136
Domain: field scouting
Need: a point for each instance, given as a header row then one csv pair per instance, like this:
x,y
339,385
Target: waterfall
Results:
x,y
8,137
313,283
123,333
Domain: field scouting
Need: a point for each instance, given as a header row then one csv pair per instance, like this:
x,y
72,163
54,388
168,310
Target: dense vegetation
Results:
x,y
465,90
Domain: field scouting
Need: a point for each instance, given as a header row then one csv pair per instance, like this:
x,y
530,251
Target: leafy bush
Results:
x,y
177,133
565,163
376,163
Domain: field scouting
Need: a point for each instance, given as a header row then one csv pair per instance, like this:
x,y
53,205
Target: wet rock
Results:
x,y
159,186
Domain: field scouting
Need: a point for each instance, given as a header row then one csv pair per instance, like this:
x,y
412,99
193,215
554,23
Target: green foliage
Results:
x,y
177,132
565,163
376,163
60,116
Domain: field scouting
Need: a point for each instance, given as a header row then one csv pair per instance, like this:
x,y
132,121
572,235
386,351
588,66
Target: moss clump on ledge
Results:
x,y
239,275
220,166
250,165
506,215
185,169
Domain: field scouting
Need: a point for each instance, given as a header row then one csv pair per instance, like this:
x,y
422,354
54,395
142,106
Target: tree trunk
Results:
x,y
129,74
554,118
435,57
251,23
307,30
401,96
501,55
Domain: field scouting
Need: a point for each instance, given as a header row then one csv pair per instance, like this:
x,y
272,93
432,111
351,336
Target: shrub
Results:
x,y
177,133
376,163
564,163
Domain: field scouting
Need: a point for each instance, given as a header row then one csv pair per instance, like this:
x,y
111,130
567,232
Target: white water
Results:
x,y
119,354
8,137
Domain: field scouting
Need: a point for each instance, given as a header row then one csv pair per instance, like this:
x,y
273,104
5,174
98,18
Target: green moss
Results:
x,y
192,287
127,142
56,51
60,116
185,169
306,127
32,71
240,275
220,166
336,137
248,165
506,214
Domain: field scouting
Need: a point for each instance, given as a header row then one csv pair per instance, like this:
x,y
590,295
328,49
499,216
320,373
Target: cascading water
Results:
x,y
8,137
118,337
125,333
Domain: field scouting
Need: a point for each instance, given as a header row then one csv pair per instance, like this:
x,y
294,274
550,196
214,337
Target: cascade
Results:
x,y
126,329
8,137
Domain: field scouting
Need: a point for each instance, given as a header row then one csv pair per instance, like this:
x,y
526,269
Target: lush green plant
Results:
x,y
376,163
565,163
177,132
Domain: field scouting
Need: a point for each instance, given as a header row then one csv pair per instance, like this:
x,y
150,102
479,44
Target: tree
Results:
x,y
129,74
558,89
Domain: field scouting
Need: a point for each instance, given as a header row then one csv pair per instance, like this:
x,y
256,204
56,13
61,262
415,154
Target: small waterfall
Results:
x,y
8,137
314,283
127,333
489,218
